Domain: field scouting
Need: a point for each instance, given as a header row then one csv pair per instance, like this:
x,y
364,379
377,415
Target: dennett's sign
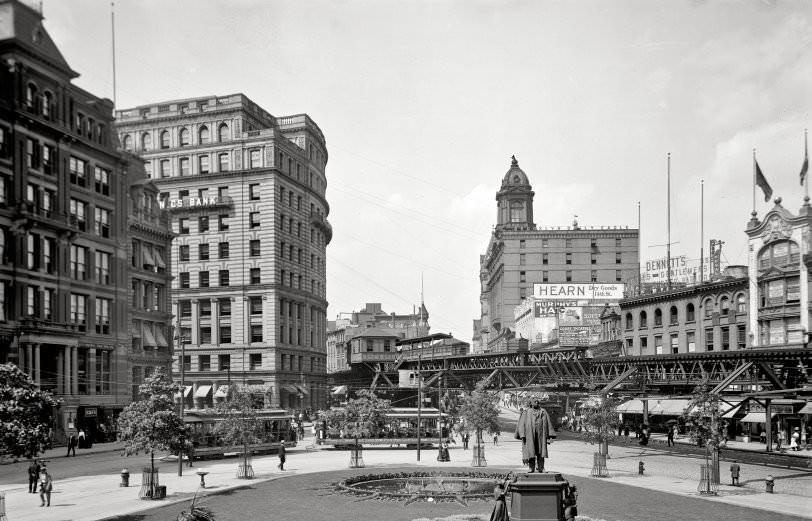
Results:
x,y
191,202
576,291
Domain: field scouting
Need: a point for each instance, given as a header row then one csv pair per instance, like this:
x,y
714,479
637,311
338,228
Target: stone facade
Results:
x,y
246,195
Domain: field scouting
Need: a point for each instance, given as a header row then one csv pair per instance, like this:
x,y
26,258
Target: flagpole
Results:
x,y
702,231
806,163
754,182
113,31
668,223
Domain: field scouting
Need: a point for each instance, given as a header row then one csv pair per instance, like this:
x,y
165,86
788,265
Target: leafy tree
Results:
x,y
152,423
703,425
365,414
24,414
480,411
600,419
241,424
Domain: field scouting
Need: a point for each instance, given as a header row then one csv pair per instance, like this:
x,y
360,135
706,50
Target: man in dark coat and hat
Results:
x,y
535,429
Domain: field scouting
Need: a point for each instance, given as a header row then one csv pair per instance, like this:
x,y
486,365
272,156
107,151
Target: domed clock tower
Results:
x,y
515,200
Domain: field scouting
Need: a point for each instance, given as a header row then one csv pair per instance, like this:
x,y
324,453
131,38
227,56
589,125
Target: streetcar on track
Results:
x,y
400,428
278,424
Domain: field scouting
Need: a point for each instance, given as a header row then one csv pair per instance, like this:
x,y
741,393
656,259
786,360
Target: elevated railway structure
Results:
x,y
745,371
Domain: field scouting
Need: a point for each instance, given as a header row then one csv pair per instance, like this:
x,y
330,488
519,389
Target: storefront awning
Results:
x,y
732,412
303,389
668,407
187,390
806,409
148,260
203,391
290,388
631,407
159,260
340,389
147,339
221,392
756,417
160,339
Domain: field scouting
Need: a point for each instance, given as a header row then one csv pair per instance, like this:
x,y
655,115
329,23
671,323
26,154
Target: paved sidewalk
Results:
x,y
61,452
97,497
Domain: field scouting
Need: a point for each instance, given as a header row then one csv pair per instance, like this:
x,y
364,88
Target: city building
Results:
x,y
521,254
376,328
246,194
64,277
712,316
150,278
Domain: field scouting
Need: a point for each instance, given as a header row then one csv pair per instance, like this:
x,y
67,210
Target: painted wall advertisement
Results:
x,y
569,313
683,269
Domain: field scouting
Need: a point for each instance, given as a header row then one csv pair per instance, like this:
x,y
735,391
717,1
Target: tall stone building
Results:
x,y
246,194
520,254
64,276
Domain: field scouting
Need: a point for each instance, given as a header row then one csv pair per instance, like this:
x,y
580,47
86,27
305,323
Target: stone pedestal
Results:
x,y
538,497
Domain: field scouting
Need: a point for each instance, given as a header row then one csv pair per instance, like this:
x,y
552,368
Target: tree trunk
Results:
x,y
152,473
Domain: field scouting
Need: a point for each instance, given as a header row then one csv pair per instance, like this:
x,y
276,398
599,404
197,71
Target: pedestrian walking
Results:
x,y
46,484
495,438
82,440
626,431
33,476
670,436
281,465
795,439
72,445
465,441
735,469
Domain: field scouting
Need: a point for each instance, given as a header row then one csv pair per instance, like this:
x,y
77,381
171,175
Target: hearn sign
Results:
x,y
578,291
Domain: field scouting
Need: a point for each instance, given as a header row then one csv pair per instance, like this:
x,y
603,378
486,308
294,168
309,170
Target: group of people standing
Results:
x,y
38,476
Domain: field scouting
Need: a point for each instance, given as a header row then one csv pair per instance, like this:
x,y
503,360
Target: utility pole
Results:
x,y
182,345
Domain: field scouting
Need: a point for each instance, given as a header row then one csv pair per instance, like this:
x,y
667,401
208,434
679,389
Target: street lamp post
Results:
x,y
419,398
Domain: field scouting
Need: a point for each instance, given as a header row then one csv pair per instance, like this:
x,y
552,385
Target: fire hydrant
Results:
x,y
769,484
640,468
125,478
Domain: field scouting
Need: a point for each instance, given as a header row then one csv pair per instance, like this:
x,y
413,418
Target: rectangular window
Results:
x,y
164,164
658,345
593,259
204,362
102,223
255,361
617,243
103,316
709,339
593,276
185,308
183,253
254,159
222,249
568,258
569,276
545,258
674,343
203,279
568,243
223,161
203,223
618,276
102,180
224,305
78,171
222,224
183,282
521,244
223,276
618,258
183,226
741,336
225,334
204,308
203,164
545,243
78,310
725,339
183,164
254,248
254,275
253,219
690,338
522,259
78,212
253,192
545,276
643,343
78,260
102,267
522,276
203,252
593,243
370,345
223,362
255,305
187,363
256,333
48,296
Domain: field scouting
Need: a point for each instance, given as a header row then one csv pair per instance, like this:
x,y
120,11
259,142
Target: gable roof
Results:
x,y
20,24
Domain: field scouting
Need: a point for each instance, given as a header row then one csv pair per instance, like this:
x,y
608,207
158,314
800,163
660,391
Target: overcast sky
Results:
x,y
423,103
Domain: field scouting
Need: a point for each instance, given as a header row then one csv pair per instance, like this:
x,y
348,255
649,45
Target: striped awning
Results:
x,y
631,407
668,407
806,409
732,412
340,389
160,338
303,389
148,260
221,392
203,391
187,390
290,388
159,261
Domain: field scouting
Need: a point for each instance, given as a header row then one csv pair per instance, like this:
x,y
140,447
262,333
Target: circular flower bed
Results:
x,y
423,486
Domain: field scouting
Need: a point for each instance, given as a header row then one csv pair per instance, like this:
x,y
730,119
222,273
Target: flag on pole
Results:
x,y
805,166
762,183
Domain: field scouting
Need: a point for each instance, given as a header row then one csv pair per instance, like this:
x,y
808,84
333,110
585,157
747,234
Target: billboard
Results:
x,y
683,269
578,291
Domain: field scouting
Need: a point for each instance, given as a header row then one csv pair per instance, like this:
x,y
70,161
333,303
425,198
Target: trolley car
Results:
x,y
400,428
278,425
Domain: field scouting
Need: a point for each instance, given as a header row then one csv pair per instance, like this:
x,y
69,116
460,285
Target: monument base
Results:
x,y
538,497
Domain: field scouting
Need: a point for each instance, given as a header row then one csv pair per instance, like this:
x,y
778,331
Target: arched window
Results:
x,y
708,307
658,317
146,141
724,306
643,320
629,321
690,312
517,212
165,139
184,137
741,303
779,254
673,316
222,132
127,142
203,135
31,96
